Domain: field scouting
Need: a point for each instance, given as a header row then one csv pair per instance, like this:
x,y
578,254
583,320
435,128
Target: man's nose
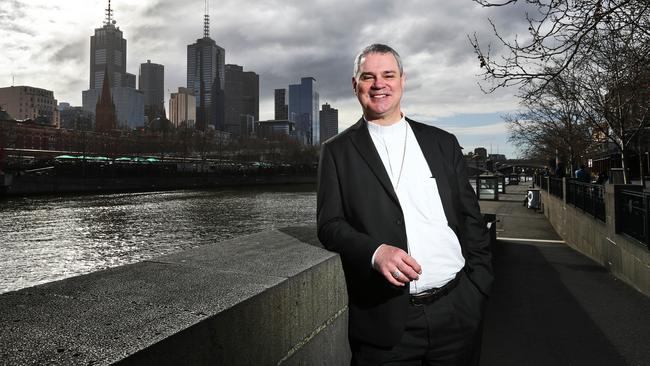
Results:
x,y
379,83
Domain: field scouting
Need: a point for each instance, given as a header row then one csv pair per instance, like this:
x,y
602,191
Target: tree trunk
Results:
x,y
623,165
572,170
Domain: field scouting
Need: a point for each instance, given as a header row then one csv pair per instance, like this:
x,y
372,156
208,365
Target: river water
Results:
x,y
44,239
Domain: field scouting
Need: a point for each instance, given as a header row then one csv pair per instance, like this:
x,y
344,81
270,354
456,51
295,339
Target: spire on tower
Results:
x,y
109,15
206,20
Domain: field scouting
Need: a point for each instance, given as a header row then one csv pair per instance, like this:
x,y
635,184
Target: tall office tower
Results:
x,y
151,82
242,98
329,122
182,108
105,116
303,110
108,58
281,107
26,102
206,76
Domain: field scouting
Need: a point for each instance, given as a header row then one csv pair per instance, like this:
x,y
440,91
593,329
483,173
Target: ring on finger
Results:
x,y
396,274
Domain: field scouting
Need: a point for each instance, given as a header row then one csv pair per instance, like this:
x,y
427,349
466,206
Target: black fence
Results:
x,y
555,187
632,214
632,204
588,197
543,182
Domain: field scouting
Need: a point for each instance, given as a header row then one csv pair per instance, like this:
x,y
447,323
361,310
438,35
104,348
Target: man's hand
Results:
x,y
391,261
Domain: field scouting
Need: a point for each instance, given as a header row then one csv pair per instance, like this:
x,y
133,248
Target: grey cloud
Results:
x,y
284,40
71,52
10,13
15,28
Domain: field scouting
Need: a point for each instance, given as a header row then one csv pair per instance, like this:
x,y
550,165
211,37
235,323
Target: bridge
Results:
x,y
279,298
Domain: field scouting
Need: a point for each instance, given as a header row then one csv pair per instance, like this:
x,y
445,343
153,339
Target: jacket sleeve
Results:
x,y
474,232
334,230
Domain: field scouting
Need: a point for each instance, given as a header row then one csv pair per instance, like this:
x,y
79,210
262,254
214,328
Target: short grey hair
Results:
x,y
376,48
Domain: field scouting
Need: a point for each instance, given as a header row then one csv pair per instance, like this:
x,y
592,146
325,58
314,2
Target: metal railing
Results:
x,y
556,187
543,182
588,197
632,217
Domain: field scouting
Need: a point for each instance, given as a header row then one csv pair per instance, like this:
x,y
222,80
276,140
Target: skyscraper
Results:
x,y
182,108
151,82
206,76
281,108
108,53
329,122
108,56
242,99
303,110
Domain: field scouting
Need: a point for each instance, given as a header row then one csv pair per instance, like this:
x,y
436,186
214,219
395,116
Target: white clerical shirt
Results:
x,y
430,240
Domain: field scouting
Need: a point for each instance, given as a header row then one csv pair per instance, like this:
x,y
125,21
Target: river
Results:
x,y
48,238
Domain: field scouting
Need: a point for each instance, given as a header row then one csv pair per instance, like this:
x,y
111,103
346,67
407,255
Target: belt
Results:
x,y
431,295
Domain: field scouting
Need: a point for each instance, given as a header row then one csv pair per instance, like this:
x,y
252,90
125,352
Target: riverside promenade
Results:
x,y
550,304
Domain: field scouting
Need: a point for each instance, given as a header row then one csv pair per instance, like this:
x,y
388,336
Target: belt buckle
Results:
x,y
424,297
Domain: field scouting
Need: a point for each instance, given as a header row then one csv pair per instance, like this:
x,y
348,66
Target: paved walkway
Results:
x,y
553,306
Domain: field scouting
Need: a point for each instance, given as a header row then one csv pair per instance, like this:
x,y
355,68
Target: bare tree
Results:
x,y
614,85
560,34
551,124
600,48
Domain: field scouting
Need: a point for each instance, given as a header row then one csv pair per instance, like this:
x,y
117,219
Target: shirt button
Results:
x,y
398,222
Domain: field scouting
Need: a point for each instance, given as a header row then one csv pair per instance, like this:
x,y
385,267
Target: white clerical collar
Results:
x,y
390,130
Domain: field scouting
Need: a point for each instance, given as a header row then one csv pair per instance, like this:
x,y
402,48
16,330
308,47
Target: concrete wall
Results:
x,y
272,298
625,257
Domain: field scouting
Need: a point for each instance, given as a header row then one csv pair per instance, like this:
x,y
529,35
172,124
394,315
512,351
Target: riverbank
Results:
x,y
23,185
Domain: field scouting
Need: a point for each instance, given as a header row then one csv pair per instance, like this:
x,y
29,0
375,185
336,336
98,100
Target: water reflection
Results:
x,y
49,238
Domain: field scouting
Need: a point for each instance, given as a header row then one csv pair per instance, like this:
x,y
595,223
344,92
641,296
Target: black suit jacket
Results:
x,y
358,210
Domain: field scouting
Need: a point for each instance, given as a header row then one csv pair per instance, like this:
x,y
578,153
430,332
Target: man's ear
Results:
x,y
354,85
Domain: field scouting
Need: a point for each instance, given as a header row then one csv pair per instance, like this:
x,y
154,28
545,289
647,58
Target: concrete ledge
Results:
x,y
265,299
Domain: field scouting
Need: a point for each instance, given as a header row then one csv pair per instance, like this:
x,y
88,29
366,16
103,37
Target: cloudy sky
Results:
x,y
46,44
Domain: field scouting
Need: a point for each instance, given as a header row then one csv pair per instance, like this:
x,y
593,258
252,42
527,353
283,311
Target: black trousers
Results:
x,y
443,333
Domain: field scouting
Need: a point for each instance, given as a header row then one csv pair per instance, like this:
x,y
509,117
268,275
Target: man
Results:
x,y
395,202
582,175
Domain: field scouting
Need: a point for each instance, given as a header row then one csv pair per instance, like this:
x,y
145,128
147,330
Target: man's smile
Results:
x,y
381,95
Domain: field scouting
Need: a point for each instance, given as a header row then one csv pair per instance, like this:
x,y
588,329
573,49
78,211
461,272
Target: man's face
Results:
x,y
378,86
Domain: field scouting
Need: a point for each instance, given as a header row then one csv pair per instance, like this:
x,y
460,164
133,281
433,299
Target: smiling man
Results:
x,y
394,200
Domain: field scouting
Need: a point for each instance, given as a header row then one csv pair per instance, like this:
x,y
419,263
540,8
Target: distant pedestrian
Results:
x,y
581,175
559,170
602,178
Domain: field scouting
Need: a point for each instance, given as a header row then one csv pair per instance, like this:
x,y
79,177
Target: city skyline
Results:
x,y
55,55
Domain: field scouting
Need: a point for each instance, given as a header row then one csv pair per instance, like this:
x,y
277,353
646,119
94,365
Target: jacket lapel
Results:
x,y
435,159
363,143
